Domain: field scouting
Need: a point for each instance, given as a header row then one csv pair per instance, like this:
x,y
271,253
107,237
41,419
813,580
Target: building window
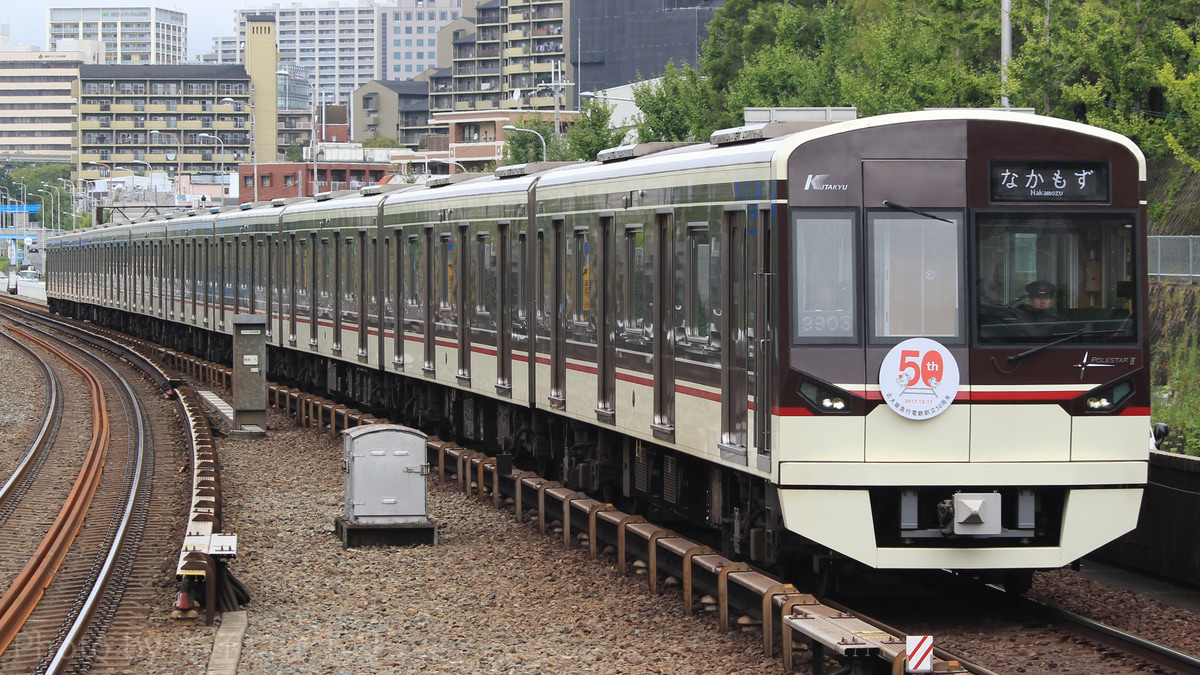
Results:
x,y
289,179
248,181
266,180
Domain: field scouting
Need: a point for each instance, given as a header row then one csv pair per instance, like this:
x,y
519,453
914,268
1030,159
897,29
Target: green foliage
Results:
x,y
522,147
1175,364
381,142
591,131
295,152
681,106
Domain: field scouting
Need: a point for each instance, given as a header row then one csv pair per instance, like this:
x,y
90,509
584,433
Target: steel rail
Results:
x,y
67,648
22,597
9,489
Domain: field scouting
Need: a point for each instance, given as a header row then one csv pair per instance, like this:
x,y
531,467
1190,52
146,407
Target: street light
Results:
x,y
178,159
312,134
509,127
110,178
447,161
253,140
41,215
150,175
222,161
57,204
7,202
74,201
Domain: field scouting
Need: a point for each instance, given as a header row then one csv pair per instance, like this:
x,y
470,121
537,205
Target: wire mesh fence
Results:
x,y
1174,259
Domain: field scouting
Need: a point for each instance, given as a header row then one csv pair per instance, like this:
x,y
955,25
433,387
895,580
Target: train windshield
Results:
x,y
1048,276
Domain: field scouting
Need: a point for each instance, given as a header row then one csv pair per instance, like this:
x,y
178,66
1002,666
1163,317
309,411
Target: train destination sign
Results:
x,y
1028,181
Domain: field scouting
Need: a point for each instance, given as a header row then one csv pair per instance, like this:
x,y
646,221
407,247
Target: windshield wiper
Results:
x,y
894,205
1030,352
1081,332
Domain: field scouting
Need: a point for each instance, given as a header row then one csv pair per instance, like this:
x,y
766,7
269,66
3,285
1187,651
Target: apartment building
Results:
x,y
172,118
408,35
539,54
396,109
336,43
130,35
37,106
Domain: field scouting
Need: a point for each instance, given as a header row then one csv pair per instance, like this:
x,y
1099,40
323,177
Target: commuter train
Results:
x,y
798,338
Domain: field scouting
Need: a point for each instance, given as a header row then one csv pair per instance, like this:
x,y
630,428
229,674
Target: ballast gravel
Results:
x,y
493,596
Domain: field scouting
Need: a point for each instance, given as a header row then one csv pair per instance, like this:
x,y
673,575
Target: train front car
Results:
x,y
966,385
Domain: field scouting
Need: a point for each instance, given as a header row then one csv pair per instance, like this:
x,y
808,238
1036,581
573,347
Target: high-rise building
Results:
x,y
130,35
408,35
37,116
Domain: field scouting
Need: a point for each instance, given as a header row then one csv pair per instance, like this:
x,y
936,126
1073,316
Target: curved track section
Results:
x,y
106,545
21,477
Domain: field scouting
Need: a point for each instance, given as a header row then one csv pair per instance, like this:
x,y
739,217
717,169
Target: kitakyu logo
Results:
x,y
816,181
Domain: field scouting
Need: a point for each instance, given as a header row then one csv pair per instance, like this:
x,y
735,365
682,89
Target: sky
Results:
x,y
208,19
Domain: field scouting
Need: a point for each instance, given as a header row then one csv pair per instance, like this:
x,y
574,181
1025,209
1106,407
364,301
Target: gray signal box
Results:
x,y
385,479
250,372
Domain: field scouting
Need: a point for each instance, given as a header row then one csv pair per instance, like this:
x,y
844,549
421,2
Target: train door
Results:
x,y
663,425
734,338
341,287
606,349
761,342
559,315
506,303
464,302
368,293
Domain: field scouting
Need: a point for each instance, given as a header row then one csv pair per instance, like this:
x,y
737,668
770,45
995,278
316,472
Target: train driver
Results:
x,y
1041,296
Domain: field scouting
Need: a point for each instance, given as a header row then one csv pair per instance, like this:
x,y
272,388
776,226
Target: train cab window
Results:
x,y
824,297
915,275
1045,276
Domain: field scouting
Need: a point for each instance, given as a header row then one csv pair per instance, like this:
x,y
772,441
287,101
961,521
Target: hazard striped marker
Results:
x,y
919,650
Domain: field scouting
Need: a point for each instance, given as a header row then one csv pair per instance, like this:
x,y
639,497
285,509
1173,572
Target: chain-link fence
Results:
x,y
1174,259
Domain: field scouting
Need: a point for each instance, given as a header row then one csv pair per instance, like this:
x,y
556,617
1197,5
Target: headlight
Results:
x,y
825,398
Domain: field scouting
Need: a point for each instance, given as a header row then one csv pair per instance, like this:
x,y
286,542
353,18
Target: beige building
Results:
x,y
130,35
37,118
175,119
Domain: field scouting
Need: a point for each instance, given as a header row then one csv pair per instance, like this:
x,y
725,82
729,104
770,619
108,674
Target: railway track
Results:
x,y
71,589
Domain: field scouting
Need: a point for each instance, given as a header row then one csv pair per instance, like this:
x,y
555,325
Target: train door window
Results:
x,y
1044,275
413,292
502,319
245,273
518,294
635,278
187,270
447,283
368,290
350,264
301,276
259,288
697,304
324,280
559,278
483,286
430,273
581,287
176,275
823,282
391,280
916,287
541,285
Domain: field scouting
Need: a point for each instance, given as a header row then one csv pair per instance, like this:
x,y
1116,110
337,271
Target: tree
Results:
x,y
591,132
381,142
295,151
680,106
522,147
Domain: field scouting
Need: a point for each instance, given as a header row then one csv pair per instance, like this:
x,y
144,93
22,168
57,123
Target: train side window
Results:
x,y
823,282
483,275
632,305
916,275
